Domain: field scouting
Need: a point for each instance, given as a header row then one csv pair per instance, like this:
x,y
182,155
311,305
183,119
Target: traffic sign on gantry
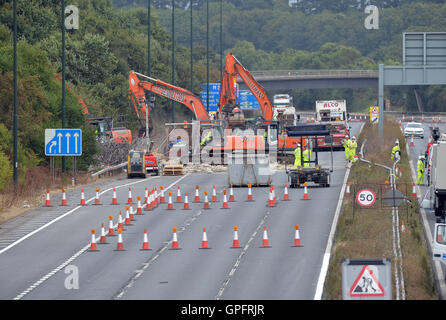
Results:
x,y
63,142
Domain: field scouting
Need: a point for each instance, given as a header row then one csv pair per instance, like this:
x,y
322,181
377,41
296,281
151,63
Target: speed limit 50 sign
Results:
x,y
365,198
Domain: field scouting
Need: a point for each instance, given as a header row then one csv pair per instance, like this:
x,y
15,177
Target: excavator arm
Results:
x,y
228,94
137,95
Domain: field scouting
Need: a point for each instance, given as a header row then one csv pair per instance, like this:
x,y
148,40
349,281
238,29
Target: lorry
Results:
x,y
135,164
332,113
437,196
151,163
283,109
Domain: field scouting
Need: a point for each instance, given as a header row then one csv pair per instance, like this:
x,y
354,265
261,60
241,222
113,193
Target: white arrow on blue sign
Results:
x,y
63,142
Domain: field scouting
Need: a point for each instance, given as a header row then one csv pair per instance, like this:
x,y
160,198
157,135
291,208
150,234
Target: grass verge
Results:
x,y
367,233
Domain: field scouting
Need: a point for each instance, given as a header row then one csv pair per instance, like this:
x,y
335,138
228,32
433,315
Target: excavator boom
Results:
x,y
137,90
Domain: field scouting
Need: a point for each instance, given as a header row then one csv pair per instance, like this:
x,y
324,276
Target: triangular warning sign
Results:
x,y
366,285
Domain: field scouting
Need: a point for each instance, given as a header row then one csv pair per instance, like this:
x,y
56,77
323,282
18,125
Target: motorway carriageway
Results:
x,y
40,265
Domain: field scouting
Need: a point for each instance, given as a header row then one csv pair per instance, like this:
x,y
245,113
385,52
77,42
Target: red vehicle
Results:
x,y
151,163
337,134
332,113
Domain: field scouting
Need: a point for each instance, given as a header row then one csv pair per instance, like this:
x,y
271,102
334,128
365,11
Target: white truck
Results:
x,y
437,196
332,113
283,109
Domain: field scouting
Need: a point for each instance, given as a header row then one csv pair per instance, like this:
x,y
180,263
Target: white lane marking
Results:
x,y
77,254
239,259
327,254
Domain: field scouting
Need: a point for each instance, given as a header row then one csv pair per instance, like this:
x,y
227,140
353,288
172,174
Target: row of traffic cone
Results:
x,y
175,244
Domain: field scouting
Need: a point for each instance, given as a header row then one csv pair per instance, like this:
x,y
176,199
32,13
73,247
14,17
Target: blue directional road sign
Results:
x,y
63,142
247,100
214,96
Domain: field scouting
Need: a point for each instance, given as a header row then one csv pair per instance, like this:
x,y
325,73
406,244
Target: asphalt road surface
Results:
x,y
44,253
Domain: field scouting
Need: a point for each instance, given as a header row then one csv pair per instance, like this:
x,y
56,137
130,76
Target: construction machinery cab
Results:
x,y
136,164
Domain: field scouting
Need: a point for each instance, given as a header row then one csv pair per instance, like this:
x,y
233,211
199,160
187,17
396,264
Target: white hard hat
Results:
x,y
354,138
421,157
397,141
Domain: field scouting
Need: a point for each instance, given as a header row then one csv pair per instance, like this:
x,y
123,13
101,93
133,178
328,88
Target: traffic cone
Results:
x,y
206,202
48,201
231,195
433,119
270,198
120,221
250,198
82,203
235,242
414,192
411,141
139,208
175,245
347,190
225,201
96,199
439,119
132,217
286,196
149,205
179,195
93,246
120,245
111,229
155,197
103,239
265,242
162,199
403,227
114,199
297,242
146,195
64,198
197,195
204,241
127,216
305,192
274,195
130,199
214,195
145,243
186,202
170,204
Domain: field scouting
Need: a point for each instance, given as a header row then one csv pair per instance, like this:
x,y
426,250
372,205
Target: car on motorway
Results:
x,y
415,129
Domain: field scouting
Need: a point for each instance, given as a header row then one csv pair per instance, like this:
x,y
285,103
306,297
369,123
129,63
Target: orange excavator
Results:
x,y
103,125
228,100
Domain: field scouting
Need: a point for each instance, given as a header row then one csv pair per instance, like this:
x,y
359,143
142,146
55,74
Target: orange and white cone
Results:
x,y
214,195
111,229
127,216
170,204
197,194
149,205
286,196
204,241
82,203
96,199
132,217
155,197
130,199
120,245
305,192
206,202
270,198
186,202
48,201
162,199
411,141
175,245
235,241
297,242
225,201
250,198
114,199
403,227
93,246
179,195
347,190
145,242
120,221
103,238
64,198
274,195
139,208
231,195
146,195
414,192
265,241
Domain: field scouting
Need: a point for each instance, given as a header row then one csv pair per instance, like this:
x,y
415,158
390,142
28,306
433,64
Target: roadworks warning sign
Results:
x,y
366,285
